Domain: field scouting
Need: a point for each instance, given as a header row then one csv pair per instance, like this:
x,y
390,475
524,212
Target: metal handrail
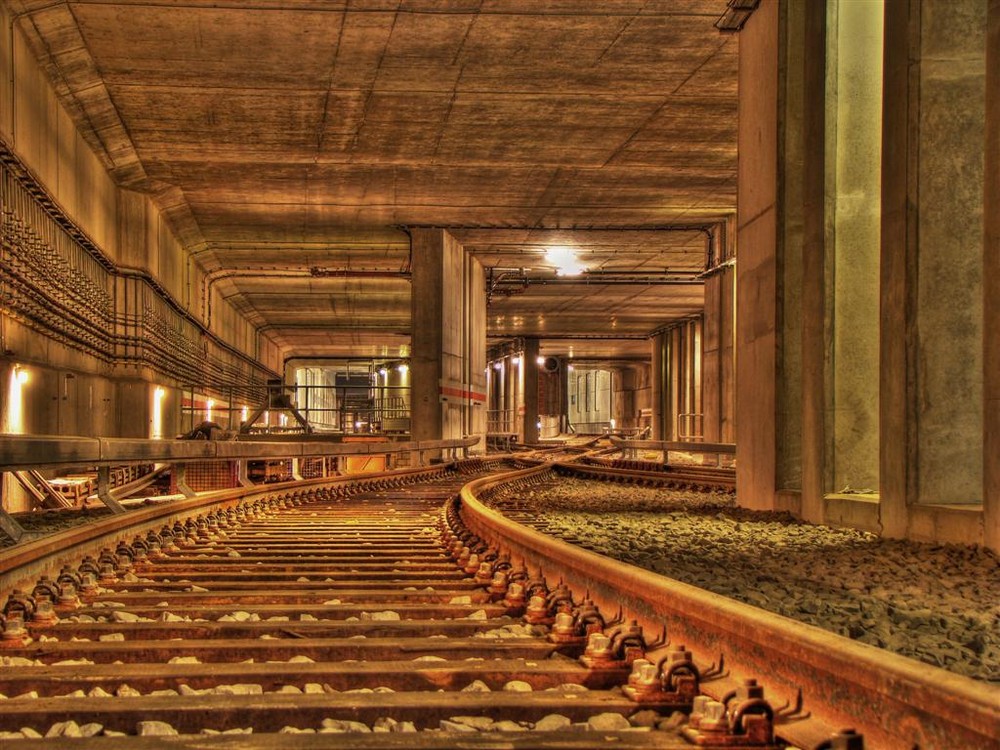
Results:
x,y
22,452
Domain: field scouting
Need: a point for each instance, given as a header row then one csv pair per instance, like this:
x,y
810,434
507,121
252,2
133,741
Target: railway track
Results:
x,y
389,606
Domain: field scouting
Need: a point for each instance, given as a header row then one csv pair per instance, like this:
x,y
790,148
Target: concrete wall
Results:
x,y
949,276
74,392
853,167
890,343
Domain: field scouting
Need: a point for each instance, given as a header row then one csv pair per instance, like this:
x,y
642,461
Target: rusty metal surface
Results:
x,y
895,702
378,553
342,560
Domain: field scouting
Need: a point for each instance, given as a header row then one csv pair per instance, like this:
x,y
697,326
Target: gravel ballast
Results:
x,y
939,604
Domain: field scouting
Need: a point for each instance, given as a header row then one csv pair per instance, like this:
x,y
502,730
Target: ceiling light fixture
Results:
x,y
565,261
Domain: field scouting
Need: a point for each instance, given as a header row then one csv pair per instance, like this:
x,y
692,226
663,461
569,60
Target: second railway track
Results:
x,y
333,614
396,613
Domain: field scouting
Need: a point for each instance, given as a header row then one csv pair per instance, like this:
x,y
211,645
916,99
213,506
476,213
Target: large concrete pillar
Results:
x,y
933,261
717,360
529,367
758,264
659,390
448,341
991,285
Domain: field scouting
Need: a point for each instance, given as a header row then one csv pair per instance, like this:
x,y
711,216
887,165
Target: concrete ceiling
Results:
x,y
291,143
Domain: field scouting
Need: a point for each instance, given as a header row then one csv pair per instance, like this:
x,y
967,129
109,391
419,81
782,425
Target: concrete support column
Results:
x,y
448,360
936,301
658,381
991,285
813,300
718,363
758,260
529,368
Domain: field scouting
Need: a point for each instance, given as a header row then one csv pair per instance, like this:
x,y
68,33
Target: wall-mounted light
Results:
x,y
569,368
19,378
515,360
498,365
383,372
539,360
159,394
402,368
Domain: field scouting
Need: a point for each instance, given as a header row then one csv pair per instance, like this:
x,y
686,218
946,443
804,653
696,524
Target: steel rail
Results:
x,y
895,702
693,475
22,564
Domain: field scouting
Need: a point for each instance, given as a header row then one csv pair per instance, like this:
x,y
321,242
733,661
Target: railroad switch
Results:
x,y
674,681
743,719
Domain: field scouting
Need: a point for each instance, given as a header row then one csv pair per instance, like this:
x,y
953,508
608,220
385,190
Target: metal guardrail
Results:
x,y
23,452
629,448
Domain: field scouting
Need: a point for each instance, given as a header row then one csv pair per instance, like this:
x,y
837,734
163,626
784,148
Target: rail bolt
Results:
x,y
566,630
472,564
109,573
45,612
744,719
46,588
537,611
124,555
168,540
69,583
644,681
598,647
714,719
484,575
14,634
514,598
140,551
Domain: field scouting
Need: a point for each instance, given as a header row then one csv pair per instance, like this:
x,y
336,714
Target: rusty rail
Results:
x,y
895,702
21,565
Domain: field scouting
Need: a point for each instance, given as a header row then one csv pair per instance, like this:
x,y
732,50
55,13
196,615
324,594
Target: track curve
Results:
x,y
398,603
